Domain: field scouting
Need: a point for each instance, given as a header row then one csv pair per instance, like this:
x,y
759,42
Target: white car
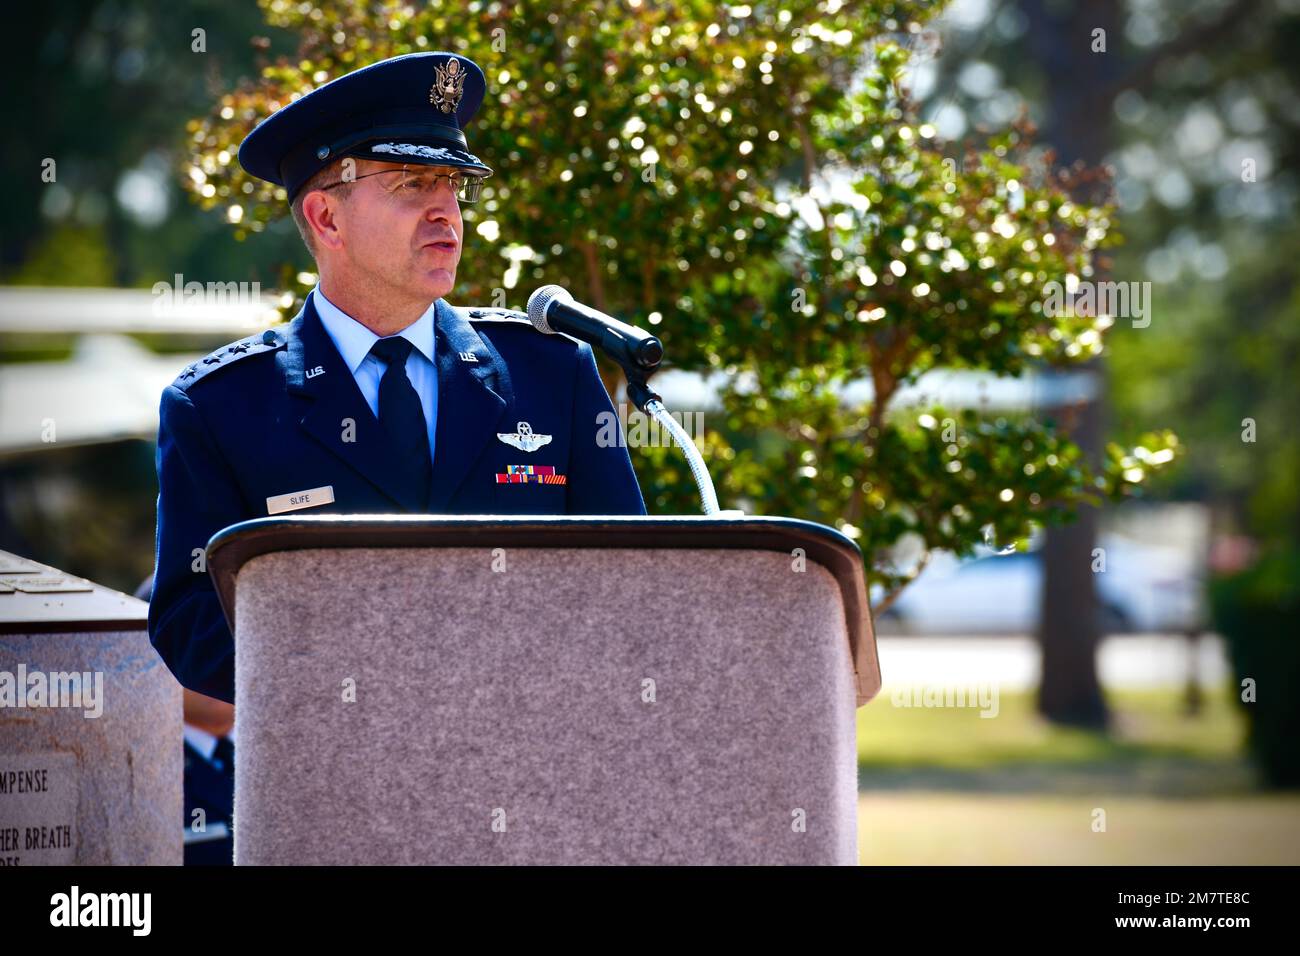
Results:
x,y
1141,589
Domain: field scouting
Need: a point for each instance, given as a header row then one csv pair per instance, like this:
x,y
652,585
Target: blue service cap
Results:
x,y
406,109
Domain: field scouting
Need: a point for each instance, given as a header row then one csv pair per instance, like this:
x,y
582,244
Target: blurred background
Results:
x,y
1121,688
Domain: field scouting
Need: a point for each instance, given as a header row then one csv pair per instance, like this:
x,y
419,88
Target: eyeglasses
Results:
x,y
419,185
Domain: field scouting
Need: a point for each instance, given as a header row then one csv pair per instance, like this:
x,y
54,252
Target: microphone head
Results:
x,y
540,301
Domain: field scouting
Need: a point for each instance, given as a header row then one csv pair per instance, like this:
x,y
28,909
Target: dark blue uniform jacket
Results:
x,y
279,413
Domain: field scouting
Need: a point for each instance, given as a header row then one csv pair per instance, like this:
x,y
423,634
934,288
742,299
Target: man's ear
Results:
x,y
320,214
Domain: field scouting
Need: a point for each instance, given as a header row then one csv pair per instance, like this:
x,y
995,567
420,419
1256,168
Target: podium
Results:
x,y
545,690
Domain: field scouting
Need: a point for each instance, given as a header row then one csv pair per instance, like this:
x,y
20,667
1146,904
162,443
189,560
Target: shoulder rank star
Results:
x,y
524,439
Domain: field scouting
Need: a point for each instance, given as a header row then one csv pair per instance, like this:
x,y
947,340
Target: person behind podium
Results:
x,y
209,780
379,396
208,777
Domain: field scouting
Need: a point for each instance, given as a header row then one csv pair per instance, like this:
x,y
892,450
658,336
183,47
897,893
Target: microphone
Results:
x,y
551,309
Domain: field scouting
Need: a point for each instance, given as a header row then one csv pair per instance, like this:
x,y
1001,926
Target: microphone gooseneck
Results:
x,y
551,309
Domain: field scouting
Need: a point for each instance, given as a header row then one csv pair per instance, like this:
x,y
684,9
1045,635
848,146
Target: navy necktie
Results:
x,y
224,755
402,416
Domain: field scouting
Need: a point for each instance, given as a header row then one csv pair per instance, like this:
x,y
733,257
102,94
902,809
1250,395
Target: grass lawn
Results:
x,y
923,828
945,785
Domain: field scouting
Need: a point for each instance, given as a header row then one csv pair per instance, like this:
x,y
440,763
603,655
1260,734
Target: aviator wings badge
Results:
x,y
524,439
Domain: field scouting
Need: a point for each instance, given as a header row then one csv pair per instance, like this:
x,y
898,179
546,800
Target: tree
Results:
x,y
1194,107
754,184
97,89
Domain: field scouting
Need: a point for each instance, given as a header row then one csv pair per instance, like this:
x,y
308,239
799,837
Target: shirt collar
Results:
x,y
354,340
202,741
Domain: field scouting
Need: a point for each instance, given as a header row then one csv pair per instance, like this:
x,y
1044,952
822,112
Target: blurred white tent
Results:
x,y
109,389
222,312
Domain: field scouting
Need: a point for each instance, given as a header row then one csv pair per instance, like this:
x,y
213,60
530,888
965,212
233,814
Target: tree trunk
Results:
x,y
1068,624
1079,88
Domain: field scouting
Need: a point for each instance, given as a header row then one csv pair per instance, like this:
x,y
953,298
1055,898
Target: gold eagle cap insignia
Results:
x,y
448,86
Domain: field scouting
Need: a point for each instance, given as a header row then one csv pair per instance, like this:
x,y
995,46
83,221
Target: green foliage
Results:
x,y
1258,612
1224,375
68,256
672,165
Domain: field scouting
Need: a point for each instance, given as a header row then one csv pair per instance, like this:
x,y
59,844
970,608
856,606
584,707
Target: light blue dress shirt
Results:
x,y
354,341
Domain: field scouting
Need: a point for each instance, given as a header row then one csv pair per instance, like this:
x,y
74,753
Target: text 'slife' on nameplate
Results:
x,y
38,808
300,499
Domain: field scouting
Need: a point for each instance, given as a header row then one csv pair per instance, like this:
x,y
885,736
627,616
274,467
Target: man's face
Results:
x,y
402,228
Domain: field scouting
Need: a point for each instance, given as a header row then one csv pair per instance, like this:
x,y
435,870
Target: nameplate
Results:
x,y
300,499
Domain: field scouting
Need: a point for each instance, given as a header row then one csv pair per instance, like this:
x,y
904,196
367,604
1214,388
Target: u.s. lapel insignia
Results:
x,y
525,439
448,86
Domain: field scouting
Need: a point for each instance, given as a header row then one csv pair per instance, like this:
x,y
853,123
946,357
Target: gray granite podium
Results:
x,y
90,726
471,690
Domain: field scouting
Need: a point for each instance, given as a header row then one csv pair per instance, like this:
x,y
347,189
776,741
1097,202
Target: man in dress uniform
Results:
x,y
380,396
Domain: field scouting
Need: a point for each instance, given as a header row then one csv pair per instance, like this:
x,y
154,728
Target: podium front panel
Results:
x,y
506,705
